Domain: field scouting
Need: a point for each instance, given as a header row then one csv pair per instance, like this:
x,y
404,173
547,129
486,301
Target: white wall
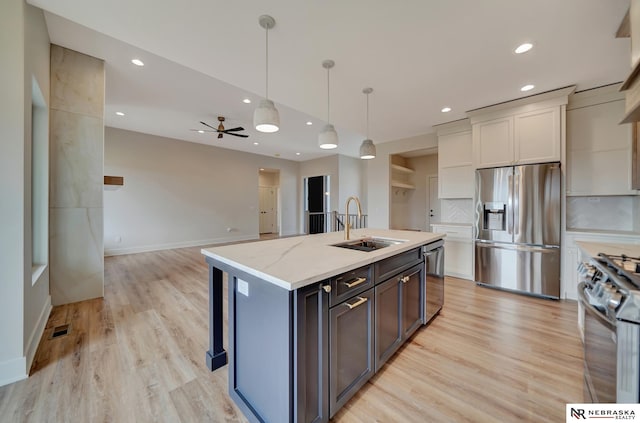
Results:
x,y
352,182
37,301
378,175
24,52
179,194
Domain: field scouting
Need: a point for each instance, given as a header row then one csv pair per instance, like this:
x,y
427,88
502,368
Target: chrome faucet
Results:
x,y
347,225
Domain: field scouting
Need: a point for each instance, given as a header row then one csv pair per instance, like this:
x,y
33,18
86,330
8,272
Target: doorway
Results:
x,y
433,202
316,194
268,203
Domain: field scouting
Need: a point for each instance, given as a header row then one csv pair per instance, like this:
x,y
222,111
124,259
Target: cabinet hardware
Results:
x,y
327,288
354,282
360,301
405,279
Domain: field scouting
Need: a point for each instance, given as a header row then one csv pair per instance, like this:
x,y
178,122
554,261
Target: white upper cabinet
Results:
x,y
522,131
493,142
598,146
455,164
537,136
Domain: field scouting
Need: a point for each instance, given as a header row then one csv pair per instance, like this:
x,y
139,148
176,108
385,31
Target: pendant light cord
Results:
x,y
367,116
266,63
328,96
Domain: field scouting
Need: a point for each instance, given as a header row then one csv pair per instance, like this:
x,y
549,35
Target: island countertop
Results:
x,y
295,262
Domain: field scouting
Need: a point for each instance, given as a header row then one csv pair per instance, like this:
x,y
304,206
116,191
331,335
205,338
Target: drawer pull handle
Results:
x,y
357,303
355,282
405,279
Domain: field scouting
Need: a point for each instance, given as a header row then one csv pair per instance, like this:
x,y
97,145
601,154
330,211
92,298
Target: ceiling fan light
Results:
x,y
367,150
266,117
328,138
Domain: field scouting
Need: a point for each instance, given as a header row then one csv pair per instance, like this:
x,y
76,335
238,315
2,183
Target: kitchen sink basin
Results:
x,y
368,244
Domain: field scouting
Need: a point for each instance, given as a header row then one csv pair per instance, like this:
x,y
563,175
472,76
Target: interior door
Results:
x,y
433,216
268,211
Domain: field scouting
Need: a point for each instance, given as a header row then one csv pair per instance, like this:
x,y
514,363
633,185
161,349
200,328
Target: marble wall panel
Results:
x,y
76,160
615,213
456,210
77,254
77,82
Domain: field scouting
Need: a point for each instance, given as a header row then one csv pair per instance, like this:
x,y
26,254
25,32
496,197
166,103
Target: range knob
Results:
x,y
614,300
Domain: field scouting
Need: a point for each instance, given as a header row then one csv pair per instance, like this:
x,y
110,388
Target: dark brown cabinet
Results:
x,y
351,347
399,311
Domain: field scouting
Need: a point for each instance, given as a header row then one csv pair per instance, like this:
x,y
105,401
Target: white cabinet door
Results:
x,y
595,142
454,149
493,142
456,182
455,170
537,136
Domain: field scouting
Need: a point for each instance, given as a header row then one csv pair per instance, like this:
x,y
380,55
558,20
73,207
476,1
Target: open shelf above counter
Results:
x,y
402,169
404,185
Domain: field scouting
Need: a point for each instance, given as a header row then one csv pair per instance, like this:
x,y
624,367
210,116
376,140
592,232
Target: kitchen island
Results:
x,y
310,322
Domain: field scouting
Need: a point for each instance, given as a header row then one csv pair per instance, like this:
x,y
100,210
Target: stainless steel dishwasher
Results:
x,y
434,276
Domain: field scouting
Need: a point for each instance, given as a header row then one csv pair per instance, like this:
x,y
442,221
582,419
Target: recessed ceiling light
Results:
x,y
309,123
527,87
137,62
119,113
445,109
297,154
200,131
246,101
256,143
523,48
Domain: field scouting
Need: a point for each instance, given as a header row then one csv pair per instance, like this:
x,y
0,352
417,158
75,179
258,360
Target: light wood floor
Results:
x,y
138,355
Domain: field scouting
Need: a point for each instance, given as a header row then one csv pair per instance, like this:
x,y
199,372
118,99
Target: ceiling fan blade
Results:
x,y
239,128
201,130
237,135
206,124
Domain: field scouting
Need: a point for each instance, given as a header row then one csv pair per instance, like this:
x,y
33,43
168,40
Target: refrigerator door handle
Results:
x,y
509,216
515,197
518,247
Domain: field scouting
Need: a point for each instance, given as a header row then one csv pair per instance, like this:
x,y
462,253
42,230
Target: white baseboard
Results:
x,y
36,333
13,370
169,246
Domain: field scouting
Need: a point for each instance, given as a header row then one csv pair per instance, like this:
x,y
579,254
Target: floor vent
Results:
x,y
59,331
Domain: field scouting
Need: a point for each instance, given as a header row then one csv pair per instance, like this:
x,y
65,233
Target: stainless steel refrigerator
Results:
x,y
517,227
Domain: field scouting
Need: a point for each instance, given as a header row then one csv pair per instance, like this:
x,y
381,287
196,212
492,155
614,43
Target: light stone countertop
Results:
x,y
593,248
295,262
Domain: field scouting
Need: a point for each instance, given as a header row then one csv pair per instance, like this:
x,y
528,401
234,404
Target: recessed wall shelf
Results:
x,y
402,169
396,184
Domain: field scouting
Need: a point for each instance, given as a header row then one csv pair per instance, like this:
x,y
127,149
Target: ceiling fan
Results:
x,y
220,129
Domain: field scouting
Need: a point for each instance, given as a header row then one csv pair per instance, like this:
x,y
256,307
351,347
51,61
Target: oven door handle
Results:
x,y
592,310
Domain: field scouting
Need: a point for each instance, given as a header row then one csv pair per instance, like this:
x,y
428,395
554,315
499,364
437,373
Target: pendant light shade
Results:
x,y
266,117
328,138
367,148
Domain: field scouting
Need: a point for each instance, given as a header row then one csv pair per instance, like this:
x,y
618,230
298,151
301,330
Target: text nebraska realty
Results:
x,y
614,414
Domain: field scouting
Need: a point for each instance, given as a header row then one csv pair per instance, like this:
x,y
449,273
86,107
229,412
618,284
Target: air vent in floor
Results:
x,y
59,331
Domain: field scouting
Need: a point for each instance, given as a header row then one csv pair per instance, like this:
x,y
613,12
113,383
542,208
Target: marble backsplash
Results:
x,y
614,213
456,210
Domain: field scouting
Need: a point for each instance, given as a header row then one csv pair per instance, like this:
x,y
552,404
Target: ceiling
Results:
x,y
203,57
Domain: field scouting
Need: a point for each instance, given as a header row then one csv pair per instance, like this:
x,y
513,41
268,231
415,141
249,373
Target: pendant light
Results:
x,y
367,148
328,138
266,117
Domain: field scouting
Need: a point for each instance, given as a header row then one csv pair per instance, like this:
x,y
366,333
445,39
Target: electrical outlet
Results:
x,y
118,239
243,287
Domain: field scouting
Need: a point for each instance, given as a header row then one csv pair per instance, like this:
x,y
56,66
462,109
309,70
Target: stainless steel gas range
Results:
x,y
609,293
